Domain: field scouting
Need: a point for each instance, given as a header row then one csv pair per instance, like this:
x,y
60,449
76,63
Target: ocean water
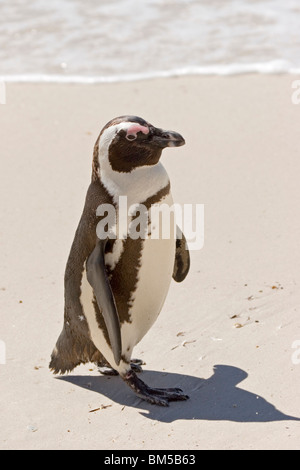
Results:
x,y
113,40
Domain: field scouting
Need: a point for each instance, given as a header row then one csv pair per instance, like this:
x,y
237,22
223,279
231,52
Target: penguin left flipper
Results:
x,y
182,257
97,277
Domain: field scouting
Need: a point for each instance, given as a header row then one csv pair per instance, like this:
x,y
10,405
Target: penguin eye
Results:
x,y
131,137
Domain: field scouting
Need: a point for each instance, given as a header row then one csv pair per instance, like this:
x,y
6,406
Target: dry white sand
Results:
x,y
237,312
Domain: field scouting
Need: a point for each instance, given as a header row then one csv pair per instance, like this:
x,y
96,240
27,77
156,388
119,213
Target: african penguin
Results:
x,y
116,285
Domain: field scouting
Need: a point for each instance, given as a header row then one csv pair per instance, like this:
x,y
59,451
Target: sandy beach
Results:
x,y
229,336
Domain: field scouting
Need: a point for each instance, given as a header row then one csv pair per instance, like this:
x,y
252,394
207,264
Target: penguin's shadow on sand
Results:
x,y
215,399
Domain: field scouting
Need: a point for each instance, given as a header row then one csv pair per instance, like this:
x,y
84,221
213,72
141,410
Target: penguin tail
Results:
x,y
70,352
61,363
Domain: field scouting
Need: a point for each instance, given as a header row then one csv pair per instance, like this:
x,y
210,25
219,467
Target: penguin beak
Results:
x,y
162,138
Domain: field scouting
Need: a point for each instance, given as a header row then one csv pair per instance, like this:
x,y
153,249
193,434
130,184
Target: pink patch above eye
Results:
x,y
135,128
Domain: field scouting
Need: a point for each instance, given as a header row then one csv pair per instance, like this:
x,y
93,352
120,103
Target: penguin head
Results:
x,y
130,142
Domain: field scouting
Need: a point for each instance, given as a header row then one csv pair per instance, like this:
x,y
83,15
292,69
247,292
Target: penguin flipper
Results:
x,y
97,277
182,257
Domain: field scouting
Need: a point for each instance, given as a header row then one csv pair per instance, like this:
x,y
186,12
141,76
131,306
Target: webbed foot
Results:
x,y
155,396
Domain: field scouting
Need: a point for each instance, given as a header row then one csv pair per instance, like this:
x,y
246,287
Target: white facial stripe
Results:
x,y
109,134
137,185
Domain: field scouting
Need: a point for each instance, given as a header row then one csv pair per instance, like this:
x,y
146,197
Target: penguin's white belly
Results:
x,y
154,277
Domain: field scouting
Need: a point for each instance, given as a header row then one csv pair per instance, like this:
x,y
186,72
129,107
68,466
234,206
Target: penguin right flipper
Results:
x,y
97,277
182,257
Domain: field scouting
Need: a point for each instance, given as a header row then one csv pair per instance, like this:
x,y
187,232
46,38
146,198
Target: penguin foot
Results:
x,y
136,365
105,369
155,396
